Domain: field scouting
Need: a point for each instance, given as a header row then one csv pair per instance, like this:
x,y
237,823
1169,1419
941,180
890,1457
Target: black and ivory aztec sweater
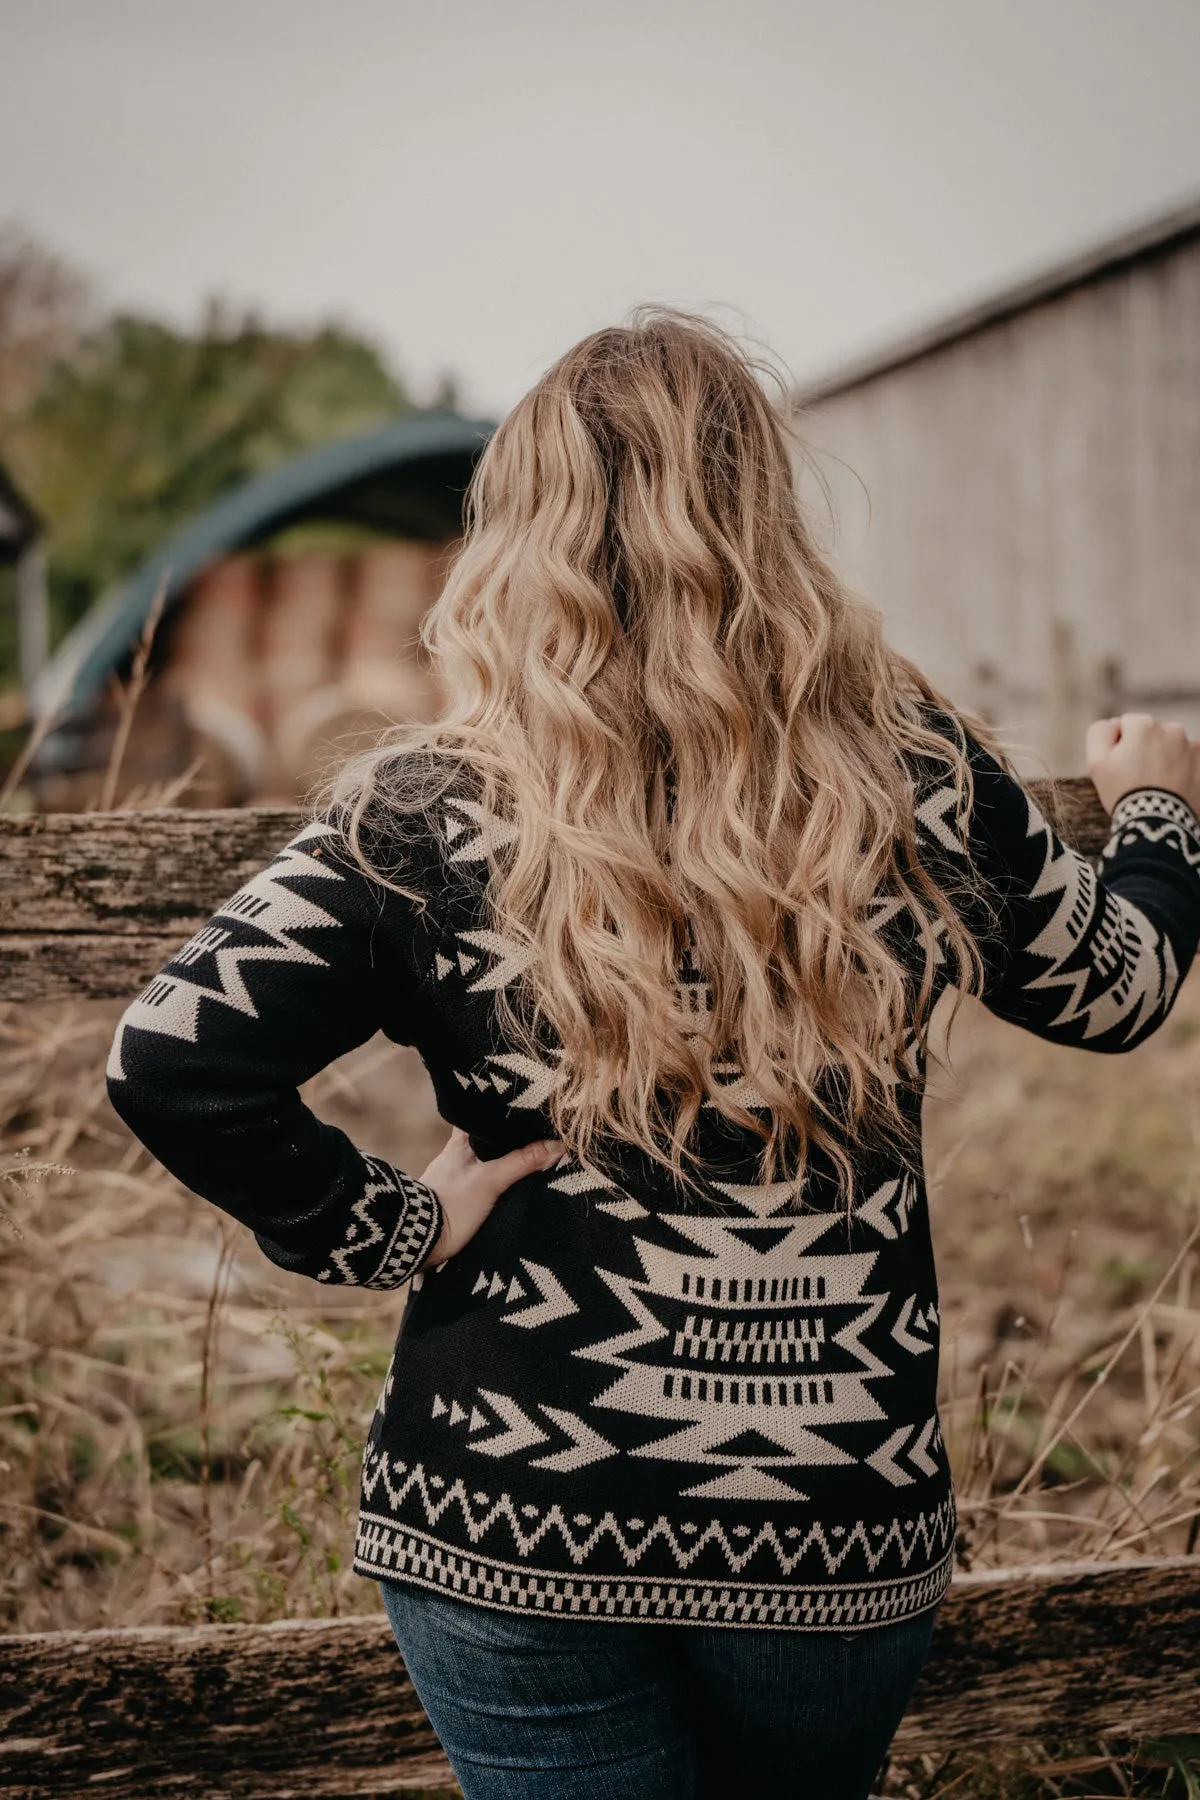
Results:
x,y
614,1404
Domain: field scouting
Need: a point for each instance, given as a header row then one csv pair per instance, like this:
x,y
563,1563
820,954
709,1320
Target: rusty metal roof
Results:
x,y
407,480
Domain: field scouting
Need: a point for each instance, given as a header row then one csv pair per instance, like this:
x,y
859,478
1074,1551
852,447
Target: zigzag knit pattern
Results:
x,y
614,1403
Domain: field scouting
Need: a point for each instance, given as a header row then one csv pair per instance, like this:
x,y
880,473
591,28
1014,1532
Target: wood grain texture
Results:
x,y
296,1709
1032,481
324,1707
1076,1651
92,904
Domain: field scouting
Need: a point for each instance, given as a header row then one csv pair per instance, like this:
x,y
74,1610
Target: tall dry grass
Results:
x,y
180,1422
1065,1191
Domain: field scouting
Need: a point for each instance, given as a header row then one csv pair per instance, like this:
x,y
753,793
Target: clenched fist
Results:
x,y
1136,751
468,1189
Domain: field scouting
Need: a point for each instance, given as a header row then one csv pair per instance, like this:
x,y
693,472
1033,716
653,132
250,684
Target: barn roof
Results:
x,y
407,479
1158,236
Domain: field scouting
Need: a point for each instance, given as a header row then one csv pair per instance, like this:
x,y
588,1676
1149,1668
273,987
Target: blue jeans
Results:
x,y
539,1707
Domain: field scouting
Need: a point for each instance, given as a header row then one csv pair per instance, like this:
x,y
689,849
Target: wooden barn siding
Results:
x,y
1045,468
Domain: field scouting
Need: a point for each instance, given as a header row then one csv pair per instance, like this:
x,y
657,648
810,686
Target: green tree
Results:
x,y
144,424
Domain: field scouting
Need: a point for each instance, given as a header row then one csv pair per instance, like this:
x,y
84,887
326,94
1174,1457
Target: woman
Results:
x,y
655,1490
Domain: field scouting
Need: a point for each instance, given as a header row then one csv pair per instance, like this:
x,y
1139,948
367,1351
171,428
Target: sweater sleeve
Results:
x,y
288,974
1091,956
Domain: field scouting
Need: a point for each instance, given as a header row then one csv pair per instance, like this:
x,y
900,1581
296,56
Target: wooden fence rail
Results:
x,y
91,904
323,1707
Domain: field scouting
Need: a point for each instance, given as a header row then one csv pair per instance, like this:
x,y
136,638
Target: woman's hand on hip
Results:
x,y
1136,751
468,1188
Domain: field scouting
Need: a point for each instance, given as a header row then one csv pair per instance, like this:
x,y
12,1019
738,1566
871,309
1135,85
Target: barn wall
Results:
x,y
1032,532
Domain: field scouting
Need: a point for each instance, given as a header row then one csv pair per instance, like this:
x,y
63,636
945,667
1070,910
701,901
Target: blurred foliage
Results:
x,y
120,428
46,306
8,634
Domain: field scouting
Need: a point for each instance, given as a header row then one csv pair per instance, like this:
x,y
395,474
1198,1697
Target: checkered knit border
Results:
x,y
1155,814
395,1211
392,1552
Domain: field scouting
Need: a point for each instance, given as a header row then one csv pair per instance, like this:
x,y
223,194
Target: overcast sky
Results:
x,y
477,185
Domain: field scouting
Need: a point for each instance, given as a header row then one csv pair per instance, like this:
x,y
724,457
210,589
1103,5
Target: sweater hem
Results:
x,y
389,1552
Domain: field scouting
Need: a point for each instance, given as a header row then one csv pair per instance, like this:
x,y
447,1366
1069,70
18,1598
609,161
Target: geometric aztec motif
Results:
x,y
1156,816
385,1550
672,1545
393,1225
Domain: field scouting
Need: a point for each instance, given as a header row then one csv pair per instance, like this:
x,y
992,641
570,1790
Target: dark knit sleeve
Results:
x,y
290,973
1084,955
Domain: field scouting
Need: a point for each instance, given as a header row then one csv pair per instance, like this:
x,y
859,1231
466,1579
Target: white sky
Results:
x,y
477,185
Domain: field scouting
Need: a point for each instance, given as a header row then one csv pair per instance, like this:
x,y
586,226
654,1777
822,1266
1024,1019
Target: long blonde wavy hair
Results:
x,y
638,597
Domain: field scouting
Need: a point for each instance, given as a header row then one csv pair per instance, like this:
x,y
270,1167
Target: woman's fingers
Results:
x,y
519,1163
1137,751
469,1188
1102,734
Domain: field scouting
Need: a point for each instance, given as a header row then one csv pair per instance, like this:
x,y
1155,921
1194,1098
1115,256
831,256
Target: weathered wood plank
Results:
x,y
91,904
1073,808
1081,1651
131,871
84,965
324,1707
297,1709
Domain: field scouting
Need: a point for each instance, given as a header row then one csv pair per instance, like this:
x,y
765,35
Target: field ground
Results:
x,y
180,1422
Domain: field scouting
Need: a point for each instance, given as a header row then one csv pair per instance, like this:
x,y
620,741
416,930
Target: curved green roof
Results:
x,y
407,479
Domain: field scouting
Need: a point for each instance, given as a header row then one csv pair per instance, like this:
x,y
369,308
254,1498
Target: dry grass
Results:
x,y
1065,1191
180,1422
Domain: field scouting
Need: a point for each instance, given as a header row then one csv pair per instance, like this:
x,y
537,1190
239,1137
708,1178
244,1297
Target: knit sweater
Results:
x,y
617,1402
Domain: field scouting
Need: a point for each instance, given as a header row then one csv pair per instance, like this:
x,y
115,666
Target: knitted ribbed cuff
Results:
x,y
1158,816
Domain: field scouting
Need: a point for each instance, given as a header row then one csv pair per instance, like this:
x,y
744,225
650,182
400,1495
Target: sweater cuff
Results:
x,y
436,1224
389,1233
1158,816
418,1230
